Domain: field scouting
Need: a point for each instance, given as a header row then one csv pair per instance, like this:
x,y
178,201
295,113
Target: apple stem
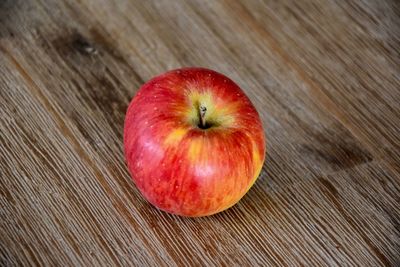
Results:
x,y
203,110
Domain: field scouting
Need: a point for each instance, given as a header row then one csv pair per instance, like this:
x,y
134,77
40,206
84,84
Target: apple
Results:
x,y
194,143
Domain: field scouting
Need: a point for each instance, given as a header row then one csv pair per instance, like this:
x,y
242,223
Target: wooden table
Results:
x,y
324,75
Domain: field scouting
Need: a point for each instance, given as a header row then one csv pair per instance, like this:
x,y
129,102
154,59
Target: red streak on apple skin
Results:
x,y
181,168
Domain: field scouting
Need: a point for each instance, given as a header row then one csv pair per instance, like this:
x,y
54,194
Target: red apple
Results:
x,y
194,143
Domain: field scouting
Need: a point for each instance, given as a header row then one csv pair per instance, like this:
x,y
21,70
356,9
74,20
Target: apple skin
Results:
x,y
180,167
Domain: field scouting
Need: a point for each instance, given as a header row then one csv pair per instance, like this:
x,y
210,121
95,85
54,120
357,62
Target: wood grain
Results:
x,y
324,75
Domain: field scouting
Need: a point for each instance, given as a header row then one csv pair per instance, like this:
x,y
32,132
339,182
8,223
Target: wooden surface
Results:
x,y
324,75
